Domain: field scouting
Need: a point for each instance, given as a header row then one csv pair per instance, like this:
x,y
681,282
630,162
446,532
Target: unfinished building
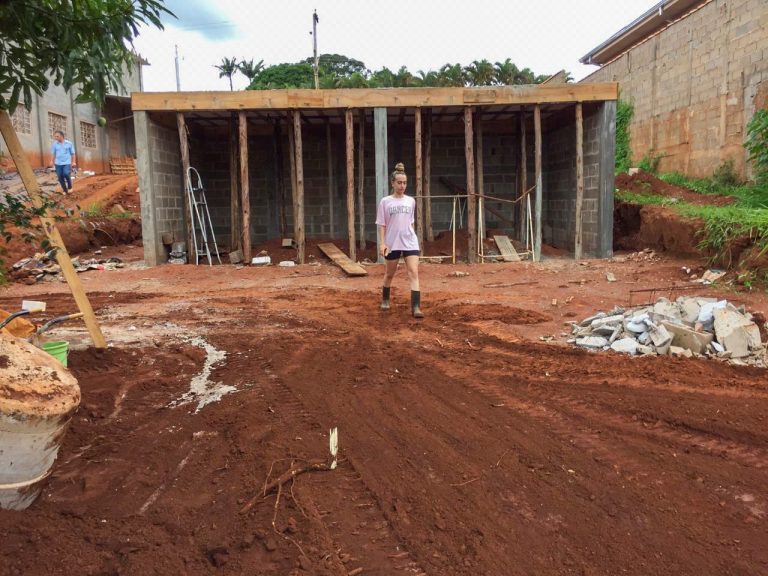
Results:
x,y
533,162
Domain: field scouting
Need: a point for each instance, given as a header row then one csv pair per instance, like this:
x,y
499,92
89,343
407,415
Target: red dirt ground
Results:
x,y
648,184
467,446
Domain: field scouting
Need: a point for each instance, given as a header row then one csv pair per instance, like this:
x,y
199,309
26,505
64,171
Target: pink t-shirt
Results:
x,y
397,214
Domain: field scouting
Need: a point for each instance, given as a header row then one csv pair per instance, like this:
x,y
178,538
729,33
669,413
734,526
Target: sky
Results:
x,y
544,35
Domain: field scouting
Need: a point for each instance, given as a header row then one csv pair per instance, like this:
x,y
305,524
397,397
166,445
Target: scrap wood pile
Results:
x,y
42,267
690,326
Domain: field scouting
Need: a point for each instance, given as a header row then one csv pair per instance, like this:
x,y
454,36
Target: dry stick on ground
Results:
x,y
283,478
467,482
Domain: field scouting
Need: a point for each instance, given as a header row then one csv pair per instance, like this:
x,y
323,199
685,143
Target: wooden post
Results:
x,y
469,155
298,199
234,190
480,180
523,219
350,127
188,221
539,186
419,181
331,183
292,162
361,177
428,175
382,179
579,178
280,176
24,169
245,191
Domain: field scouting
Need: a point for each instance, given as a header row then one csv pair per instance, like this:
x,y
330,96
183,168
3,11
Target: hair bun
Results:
x,y
399,167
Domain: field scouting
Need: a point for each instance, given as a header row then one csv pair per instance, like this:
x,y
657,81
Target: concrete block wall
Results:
x,y
696,85
559,181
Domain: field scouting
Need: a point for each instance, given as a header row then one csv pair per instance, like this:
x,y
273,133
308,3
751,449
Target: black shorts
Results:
x,y
396,254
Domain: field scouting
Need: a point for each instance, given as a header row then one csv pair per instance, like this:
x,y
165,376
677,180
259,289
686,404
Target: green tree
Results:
x,y
452,75
383,78
227,69
428,79
505,72
337,65
84,43
250,70
480,73
280,76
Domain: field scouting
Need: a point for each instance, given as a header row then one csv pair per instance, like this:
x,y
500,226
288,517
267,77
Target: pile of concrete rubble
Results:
x,y
689,327
42,267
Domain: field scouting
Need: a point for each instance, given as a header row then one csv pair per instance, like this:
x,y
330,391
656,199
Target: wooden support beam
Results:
x,y
28,178
361,178
521,206
539,186
372,98
428,176
331,178
480,171
469,155
350,140
236,233
419,180
579,179
298,200
382,176
188,222
292,162
245,190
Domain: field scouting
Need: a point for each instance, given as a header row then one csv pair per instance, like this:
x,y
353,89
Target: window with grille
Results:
x,y
20,120
56,122
88,135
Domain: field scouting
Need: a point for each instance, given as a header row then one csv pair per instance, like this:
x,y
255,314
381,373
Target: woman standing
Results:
x,y
397,238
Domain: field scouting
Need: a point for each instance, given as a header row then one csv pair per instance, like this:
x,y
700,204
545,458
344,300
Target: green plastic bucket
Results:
x,y
58,350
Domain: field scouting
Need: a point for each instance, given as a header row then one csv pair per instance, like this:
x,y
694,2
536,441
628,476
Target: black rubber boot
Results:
x,y
385,297
416,304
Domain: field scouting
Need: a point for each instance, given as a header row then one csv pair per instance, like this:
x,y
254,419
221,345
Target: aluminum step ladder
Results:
x,y
202,227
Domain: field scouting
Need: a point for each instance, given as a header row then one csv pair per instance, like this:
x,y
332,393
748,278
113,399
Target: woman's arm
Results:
x,y
382,233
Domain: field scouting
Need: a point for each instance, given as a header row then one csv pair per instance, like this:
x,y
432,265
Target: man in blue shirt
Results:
x,y
63,158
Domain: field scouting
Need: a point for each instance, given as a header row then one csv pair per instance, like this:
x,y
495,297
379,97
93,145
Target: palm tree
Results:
x,y
404,79
480,73
506,72
451,75
227,68
383,78
426,79
249,69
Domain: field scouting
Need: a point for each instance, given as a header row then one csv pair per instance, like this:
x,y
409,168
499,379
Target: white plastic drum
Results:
x,y
37,399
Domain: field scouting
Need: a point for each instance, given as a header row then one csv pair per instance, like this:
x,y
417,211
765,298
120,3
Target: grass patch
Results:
x,y
747,217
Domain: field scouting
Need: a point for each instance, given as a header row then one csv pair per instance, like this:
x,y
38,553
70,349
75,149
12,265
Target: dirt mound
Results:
x,y
637,227
647,184
104,192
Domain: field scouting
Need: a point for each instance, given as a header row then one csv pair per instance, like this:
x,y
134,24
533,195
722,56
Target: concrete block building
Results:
x,y
696,71
302,163
57,109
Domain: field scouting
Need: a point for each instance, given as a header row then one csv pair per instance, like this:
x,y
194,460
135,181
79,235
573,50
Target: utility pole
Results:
x,y
315,20
178,80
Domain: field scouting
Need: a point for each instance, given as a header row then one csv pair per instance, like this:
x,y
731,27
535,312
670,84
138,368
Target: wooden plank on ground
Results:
x,y
508,252
342,260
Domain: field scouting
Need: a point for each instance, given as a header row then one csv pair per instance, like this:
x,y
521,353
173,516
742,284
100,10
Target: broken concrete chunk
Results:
x,y
617,319
666,308
588,321
625,346
604,330
644,338
717,347
645,350
736,342
677,351
684,337
616,334
610,276
690,309
660,336
592,342
706,314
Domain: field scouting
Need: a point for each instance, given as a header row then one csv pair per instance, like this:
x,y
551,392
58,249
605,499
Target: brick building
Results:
x,y
695,71
251,144
57,109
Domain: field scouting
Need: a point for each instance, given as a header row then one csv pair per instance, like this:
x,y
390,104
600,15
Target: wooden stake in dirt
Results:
x,y
298,201
292,163
419,181
184,148
469,155
331,179
245,192
49,225
350,127
428,175
234,190
361,177
280,177
579,179
539,186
